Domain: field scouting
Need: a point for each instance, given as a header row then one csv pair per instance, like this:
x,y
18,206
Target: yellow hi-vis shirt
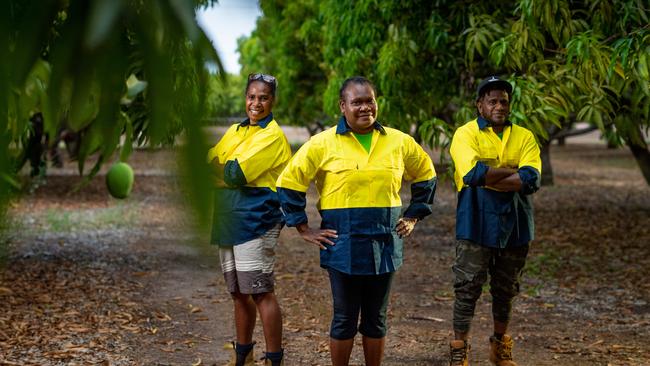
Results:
x,y
359,194
254,156
485,215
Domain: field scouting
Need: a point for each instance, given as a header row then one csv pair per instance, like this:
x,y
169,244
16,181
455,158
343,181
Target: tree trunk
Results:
x,y
642,156
637,144
547,169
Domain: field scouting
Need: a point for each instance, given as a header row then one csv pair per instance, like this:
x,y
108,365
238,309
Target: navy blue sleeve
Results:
x,y
476,176
293,206
422,194
530,180
233,175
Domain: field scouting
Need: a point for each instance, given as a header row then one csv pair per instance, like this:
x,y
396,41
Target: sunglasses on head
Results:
x,y
264,77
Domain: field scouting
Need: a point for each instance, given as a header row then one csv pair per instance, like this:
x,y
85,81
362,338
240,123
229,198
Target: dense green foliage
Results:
x,y
286,44
103,70
225,97
570,61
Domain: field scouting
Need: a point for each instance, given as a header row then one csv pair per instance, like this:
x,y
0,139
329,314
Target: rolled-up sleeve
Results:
x,y
233,175
475,177
422,194
530,166
293,206
530,180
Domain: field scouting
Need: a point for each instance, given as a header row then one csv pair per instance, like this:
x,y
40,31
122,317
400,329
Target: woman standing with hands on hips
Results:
x,y
247,218
358,167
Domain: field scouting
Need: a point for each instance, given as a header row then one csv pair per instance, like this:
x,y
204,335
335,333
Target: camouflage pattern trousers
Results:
x,y
471,268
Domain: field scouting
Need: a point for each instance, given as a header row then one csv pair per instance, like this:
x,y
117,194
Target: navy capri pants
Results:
x,y
359,294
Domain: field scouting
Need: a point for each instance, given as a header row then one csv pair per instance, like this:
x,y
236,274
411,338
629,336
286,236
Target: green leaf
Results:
x,y
84,104
91,142
643,66
103,15
127,147
184,13
10,180
93,172
31,30
598,120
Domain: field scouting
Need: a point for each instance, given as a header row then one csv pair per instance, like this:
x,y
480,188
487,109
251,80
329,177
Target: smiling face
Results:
x,y
359,107
494,106
259,101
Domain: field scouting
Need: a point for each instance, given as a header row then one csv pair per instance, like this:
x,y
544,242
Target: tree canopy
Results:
x,y
286,43
105,70
225,96
568,60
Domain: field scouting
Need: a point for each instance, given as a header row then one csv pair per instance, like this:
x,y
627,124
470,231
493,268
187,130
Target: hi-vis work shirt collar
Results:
x,y
262,123
482,123
342,127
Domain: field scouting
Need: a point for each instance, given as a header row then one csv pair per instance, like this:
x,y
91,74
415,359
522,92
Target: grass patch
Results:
x,y
58,221
543,265
539,269
114,217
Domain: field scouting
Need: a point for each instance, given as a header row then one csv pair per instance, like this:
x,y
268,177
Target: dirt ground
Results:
x,y
88,279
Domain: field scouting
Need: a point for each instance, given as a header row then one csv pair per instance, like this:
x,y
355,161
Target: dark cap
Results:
x,y
494,83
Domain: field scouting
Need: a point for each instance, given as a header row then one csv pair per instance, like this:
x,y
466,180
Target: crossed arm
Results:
x,y
217,171
503,179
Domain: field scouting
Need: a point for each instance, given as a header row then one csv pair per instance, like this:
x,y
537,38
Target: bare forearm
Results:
x,y
216,170
494,175
511,183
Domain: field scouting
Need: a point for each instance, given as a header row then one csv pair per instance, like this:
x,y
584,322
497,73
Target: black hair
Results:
x,y
494,86
355,80
273,85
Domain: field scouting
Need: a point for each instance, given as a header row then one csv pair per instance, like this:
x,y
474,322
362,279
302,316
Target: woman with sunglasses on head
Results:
x,y
247,219
358,167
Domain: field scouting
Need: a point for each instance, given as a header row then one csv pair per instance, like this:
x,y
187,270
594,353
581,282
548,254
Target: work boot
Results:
x,y
501,351
459,352
239,358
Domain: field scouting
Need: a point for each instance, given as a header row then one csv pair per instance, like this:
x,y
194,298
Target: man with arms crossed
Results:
x,y
497,168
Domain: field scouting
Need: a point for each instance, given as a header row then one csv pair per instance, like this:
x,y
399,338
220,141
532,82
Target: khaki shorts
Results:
x,y
248,267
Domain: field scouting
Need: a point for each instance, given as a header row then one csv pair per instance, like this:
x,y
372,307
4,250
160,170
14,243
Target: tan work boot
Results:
x,y
459,353
501,351
248,361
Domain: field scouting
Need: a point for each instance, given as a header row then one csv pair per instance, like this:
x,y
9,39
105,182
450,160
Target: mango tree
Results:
x,y
569,61
574,62
134,69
